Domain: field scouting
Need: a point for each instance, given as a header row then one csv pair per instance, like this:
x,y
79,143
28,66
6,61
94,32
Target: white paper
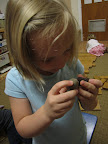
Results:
x,y
2,16
95,1
98,25
87,1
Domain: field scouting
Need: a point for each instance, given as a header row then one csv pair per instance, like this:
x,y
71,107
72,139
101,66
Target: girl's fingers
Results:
x,y
81,98
85,94
89,87
58,86
80,75
64,106
63,90
67,96
96,82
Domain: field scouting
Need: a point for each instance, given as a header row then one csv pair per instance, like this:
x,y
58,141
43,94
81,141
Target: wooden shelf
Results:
x,y
3,76
2,29
5,63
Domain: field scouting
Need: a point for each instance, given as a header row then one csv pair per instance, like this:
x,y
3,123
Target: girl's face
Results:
x,y
49,62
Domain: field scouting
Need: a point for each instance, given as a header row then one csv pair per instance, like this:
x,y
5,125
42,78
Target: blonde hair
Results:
x,y
25,16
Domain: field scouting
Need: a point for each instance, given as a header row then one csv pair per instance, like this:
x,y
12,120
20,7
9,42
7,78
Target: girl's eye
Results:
x,y
68,50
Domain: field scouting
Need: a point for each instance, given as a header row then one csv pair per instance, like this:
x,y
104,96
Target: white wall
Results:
x,y
3,4
77,12
74,5
68,3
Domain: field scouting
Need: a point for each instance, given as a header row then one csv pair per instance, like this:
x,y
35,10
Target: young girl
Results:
x,y
43,38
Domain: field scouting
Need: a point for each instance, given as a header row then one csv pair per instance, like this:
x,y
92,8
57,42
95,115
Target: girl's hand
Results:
x,y
88,93
59,101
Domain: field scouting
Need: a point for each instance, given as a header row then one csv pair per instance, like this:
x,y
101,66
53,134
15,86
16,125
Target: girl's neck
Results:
x,y
45,72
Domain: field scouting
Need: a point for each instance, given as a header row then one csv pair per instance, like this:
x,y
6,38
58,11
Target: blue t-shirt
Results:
x,y
68,129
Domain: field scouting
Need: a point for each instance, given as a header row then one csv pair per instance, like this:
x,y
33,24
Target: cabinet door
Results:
x,y
4,59
95,11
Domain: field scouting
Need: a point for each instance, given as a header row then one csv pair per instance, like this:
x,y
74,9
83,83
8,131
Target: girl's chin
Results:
x,y
47,72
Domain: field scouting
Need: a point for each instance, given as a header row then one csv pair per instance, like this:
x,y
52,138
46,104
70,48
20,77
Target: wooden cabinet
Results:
x,y
4,53
96,13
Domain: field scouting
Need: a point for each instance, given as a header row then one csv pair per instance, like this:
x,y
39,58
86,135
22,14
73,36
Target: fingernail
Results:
x,y
71,82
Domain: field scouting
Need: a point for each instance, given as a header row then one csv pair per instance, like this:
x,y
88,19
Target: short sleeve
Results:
x,y
80,68
13,85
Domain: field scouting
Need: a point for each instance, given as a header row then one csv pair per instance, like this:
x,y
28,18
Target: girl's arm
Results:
x,y
26,123
56,105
